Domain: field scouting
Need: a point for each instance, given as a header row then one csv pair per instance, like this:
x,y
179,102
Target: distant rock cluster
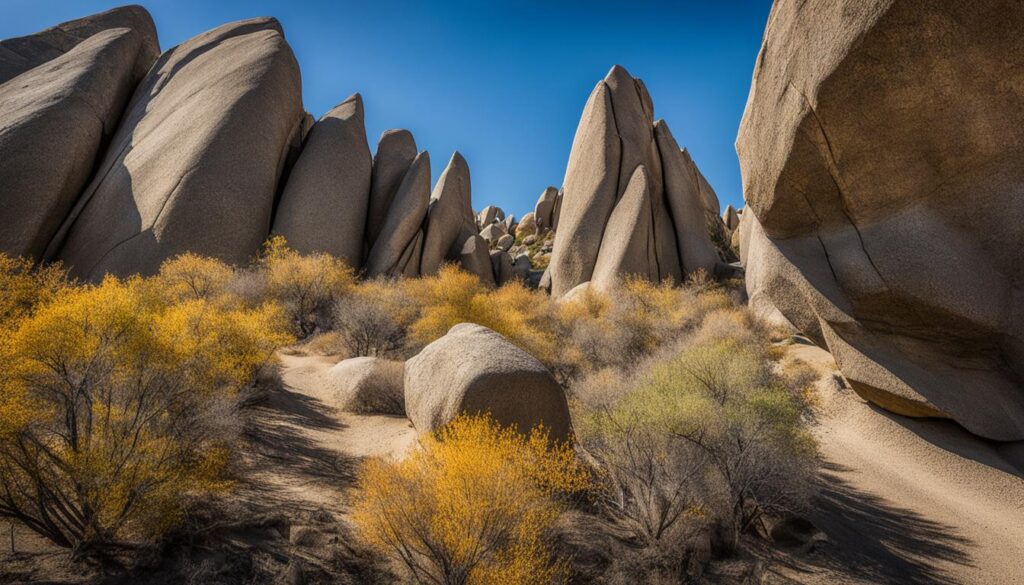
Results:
x,y
881,153
633,203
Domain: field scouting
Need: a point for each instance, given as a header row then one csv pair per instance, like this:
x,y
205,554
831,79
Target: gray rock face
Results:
x,y
493,232
881,155
527,226
21,54
629,237
395,153
54,121
686,204
409,262
556,213
489,215
475,370
450,213
521,267
590,192
543,212
404,220
323,207
476,259
730,217
505,242
616,135
501,264
195,160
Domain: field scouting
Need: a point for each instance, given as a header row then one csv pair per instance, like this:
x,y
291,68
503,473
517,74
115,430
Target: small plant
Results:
x,y
374,319
306,285
477,505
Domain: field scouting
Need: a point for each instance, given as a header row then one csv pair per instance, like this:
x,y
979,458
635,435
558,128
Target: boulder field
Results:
x,y
881,152
117,157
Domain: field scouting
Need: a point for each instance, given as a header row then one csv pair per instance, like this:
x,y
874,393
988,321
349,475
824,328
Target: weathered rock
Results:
x,y
21,54
369,385
493,232
505,242
404,220
489,215
545,281
475,370
409,262
707,194
476,259
396,150
590,190
882,159
730,218
521,267
451,209
195,160
556,213
501,264
576,294
510,224
323,207
54,121
543,212
530,240
628,237
686,205
527,226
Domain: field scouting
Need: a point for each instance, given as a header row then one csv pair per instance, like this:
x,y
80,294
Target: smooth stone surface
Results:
x,y
476,259
405,219
544,210
474,370
194,164
451,209
396,150
55,120
323,207
629,237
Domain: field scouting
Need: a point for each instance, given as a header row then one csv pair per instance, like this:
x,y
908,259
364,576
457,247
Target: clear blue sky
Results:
x,y
503,82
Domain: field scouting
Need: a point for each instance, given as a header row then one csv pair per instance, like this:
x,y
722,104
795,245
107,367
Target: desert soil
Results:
x,y
909,501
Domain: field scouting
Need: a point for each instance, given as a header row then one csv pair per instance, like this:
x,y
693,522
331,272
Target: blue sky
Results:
x,y
503,82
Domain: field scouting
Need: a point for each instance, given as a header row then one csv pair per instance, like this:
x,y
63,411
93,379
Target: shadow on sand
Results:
x,y
880,542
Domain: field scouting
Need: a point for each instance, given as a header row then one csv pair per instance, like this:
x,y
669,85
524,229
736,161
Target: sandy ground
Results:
x,y
318,444
911,501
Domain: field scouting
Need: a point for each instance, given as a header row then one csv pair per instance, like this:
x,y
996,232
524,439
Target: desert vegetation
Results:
x,y
121,404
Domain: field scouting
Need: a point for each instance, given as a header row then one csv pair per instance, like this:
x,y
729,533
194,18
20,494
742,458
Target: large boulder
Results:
x,y
618,134
628,238
476,259
369,385
543,212
474,370
396,150
686,204
404,221
20,54
489,215
881,151
449,216
195,161
55,120
323,207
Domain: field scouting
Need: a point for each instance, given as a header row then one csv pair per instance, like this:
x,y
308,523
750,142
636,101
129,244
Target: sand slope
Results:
x,y
913,501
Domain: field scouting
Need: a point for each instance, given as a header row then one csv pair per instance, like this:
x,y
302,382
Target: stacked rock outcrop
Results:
x,y
660,231
62,92
880,151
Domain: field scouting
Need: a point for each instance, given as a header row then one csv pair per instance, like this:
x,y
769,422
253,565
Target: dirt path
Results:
x,y
316,444
910,501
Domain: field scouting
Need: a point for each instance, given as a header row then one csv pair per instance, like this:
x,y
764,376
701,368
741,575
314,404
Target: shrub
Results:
x,y
189,276
23,287
115,405
475,506
306,285
374,319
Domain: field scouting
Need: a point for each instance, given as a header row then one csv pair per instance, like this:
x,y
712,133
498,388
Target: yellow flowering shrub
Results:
x,y
306,285
475,506
116,405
